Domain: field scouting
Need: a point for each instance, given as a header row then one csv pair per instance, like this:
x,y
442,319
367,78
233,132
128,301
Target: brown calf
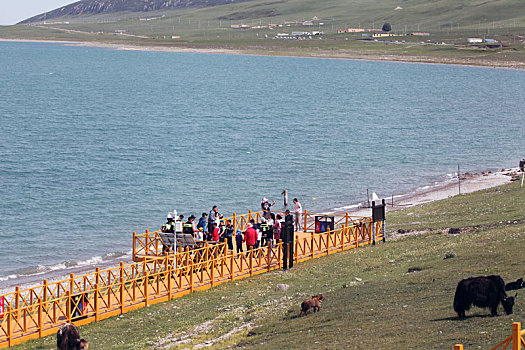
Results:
x,y
314,303
68,338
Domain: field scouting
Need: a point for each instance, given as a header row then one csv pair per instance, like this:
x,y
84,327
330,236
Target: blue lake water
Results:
x,y
98,143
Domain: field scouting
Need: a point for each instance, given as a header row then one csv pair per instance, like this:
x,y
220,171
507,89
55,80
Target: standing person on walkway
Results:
x,y
250,238
189,227
168,227
212,218
202,222
298,214
229,234
215,233
277,228
265,206
265,229
288,235
222,232
238,241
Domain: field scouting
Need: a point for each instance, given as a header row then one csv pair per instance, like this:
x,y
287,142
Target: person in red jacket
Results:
x,y
215,233
250,237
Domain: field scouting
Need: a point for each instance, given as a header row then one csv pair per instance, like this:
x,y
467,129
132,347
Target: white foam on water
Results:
x,y
9,277
352,206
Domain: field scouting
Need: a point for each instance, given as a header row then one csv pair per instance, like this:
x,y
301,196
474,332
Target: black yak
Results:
x,y
518,284
483,291
68,338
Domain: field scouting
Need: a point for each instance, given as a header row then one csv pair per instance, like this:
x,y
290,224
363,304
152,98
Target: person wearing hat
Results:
x,y
169,226
265,206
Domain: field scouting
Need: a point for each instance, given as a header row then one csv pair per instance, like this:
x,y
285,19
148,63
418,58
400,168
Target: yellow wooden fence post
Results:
x,y
251,261
232,256
516,336
305,219
44,295
121,272
40,323
169,271
44,292
328,241
95,300
9,314
279,251
458,347
250,215
296,251
134,245
312,247
268,255
72,282
97,283
146,241
191,276
346,221
146,281
17,302
68,306
342,233
212,270
234,223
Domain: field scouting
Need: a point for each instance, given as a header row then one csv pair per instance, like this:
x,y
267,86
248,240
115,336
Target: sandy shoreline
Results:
x,y
469,183
302,54
426,194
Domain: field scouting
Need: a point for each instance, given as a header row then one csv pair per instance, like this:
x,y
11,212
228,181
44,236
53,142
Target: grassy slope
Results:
x,y
447,20
388,309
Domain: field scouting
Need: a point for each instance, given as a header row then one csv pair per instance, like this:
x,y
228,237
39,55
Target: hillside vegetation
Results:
x,y
425,13
373,301
207,25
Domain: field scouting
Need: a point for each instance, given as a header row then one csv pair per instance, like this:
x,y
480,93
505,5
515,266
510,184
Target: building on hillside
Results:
x,y
474,40
421,34
382,35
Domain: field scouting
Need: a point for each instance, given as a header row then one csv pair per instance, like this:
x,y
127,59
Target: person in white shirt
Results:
x,y
298,214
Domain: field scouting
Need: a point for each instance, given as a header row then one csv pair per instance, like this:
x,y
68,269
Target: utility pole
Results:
x,y
459,181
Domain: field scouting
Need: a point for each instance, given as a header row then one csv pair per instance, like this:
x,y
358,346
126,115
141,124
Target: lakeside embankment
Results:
x,y
411,281
470,182
304,53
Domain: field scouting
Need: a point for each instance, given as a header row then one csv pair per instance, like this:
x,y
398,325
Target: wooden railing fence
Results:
x,y
516,339
39,311
150,243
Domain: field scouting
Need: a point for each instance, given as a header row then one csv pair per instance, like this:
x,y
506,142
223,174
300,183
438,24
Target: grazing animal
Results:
x,y
314,303
68,338
483,291
518,284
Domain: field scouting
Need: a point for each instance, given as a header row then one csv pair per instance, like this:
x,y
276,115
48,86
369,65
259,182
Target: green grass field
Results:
x,y
373,302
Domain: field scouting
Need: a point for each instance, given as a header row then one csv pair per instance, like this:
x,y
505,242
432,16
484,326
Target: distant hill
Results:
x,y
94,7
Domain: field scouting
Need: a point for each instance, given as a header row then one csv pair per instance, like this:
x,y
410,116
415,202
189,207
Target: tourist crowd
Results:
x,y
212,228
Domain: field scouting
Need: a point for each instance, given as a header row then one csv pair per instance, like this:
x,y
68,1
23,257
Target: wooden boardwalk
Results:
x,y
38,311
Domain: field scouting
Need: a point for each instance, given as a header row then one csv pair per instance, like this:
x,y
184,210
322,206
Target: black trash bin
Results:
x,y
78,307
323,223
